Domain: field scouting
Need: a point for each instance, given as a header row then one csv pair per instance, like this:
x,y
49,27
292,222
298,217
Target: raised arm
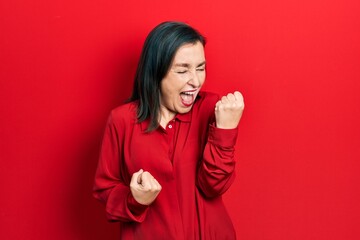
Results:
x,y
217,168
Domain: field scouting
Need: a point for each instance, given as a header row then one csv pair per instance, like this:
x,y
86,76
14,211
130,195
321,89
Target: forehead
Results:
x,y
190,53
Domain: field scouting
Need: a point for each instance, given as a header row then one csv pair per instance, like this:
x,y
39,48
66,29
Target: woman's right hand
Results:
x,y
144,187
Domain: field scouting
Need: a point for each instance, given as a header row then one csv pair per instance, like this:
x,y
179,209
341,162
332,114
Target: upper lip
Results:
x,y
190,91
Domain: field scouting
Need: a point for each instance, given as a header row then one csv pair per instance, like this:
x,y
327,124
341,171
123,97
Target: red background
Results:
x,y
64,64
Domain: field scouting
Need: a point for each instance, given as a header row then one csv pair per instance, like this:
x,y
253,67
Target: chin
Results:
x,y
185,109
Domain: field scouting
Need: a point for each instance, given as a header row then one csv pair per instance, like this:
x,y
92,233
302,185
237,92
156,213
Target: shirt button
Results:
x,y
170,126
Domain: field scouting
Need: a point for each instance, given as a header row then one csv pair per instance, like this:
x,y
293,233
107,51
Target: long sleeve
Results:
x,y
216,171
112,181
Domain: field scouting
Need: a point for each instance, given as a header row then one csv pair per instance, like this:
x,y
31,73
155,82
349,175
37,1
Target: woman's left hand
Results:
x,y
228,110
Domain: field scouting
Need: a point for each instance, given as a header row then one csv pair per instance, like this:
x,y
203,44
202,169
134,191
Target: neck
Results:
x,y
165,116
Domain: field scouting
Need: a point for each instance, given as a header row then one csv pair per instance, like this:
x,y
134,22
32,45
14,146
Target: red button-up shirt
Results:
x,y
192,160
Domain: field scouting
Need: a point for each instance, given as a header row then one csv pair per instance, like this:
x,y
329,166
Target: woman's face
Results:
x,y
180,86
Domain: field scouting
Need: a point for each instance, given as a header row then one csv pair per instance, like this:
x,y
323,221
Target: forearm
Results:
x,y
216,171
120,204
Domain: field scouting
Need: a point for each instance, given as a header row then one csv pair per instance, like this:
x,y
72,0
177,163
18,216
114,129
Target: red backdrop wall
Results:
x,y
64,64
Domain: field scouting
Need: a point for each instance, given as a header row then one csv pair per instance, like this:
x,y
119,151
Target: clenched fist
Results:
x,y
144,187
228,110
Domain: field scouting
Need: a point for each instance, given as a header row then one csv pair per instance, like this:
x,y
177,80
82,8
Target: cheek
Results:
x,y
168,92
202,77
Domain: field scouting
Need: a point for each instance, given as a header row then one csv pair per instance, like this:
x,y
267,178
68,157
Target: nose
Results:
x,y
194,80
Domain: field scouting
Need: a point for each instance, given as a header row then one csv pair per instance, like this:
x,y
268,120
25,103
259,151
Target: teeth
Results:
x,y
188,93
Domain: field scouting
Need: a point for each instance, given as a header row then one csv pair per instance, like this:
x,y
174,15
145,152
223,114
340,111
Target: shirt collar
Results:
x,y
186,117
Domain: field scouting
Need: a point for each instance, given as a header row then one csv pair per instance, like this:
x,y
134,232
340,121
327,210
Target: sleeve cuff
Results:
x,y
136,208
222,137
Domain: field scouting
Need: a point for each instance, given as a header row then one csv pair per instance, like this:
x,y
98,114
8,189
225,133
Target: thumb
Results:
x,y
137,176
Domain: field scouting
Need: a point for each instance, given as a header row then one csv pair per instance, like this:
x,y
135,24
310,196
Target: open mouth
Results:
x,y
188,97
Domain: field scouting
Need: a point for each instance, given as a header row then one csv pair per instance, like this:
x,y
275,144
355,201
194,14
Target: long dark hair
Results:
x,y
156,58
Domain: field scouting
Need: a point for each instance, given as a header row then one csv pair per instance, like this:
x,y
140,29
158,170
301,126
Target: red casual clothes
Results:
x,y
192,160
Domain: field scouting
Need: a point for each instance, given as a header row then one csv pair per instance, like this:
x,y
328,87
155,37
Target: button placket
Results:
x,y
170,132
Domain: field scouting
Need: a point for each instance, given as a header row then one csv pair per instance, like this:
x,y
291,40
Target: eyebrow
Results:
x,y
188,65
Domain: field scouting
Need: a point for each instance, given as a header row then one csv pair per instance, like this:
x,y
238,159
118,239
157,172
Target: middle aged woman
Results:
x,y
168,154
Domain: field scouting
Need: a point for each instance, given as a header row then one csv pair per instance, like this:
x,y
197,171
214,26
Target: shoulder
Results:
x,y
208,96
124,114
207,99
205,104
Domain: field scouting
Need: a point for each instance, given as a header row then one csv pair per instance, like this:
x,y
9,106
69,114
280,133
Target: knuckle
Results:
x,y
237,93
147,175
229,105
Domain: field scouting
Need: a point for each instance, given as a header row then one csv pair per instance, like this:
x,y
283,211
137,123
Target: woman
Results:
x,y
168,154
